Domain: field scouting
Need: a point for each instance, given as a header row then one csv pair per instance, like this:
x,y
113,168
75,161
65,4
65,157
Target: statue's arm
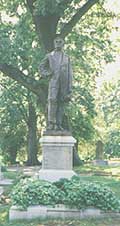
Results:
x,y
44,68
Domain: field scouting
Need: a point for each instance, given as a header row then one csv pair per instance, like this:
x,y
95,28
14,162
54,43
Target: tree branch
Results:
x,y
65,4
45,26
14,73
81,12
30,4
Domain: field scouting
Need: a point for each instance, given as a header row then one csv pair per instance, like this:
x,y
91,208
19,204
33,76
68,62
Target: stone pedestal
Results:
x,y
57,157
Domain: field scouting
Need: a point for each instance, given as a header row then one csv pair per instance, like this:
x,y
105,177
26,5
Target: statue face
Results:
x,y
58,43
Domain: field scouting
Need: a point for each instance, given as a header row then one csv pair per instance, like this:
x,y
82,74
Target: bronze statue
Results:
x,y
56,65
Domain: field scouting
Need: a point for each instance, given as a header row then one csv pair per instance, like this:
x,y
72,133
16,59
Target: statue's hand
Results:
x,y
47,74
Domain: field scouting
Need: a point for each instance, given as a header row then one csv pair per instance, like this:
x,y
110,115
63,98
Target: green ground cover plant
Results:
x,y
74,193
31,191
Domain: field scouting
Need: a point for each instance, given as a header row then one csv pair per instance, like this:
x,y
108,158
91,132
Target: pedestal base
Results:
x,y
55,175
57,157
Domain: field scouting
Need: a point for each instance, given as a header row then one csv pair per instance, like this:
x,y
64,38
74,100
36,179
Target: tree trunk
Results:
x,y
46,27
32,137
12,153
76,159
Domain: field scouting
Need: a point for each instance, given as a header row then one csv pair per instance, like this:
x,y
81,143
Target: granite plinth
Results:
x,y
57,157
57,133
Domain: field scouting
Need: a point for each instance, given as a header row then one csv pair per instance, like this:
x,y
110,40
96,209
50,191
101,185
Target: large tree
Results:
x,y
46,16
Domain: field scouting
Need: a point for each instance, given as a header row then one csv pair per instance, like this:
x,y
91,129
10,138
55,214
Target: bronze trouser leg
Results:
x,y
52,108
60,113
52,100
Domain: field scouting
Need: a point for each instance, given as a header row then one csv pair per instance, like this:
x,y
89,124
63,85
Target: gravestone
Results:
x,y
99,158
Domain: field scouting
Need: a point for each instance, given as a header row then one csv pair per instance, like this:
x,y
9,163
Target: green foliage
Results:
x,y
6,49
73,193
11,7
81,195
111,101
34,192
112,146
12,127
45,7
81,113
54,7
110,104
19,45
88,45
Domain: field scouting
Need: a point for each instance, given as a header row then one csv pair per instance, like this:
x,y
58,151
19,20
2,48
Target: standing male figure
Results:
x,y
56,65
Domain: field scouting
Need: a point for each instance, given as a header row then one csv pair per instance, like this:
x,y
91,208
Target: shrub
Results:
x,y
72,193
35,192
81,194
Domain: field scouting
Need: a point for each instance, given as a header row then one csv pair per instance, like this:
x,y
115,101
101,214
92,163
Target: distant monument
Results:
x,y
99,158
99,150
57,143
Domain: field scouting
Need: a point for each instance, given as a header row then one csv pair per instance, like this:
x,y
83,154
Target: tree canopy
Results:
x,y
28,34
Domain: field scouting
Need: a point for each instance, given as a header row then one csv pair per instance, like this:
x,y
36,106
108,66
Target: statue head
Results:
x,y
58,42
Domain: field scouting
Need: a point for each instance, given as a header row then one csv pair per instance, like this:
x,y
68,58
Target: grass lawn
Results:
x,y
112,181
96,174
89,168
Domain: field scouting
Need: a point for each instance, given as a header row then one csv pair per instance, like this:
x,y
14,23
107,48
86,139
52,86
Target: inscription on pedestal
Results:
x,y
57,158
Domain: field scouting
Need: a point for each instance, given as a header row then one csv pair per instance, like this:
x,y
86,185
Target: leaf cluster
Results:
x,y
80,113
72,193
112,146
81,195
35,192
110,105
13,114
53,7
